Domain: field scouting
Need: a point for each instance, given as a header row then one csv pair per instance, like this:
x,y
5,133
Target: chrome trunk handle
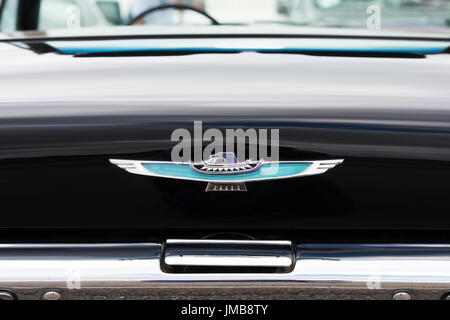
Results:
x,y
225,256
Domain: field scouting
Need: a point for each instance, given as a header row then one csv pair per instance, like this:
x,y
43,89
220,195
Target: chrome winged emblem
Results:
x,y
223,172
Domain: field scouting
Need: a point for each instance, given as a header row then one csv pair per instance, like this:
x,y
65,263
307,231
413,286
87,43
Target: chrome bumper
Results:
x,y
121,271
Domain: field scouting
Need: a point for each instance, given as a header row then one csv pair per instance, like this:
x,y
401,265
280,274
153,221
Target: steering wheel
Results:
x,y
173,6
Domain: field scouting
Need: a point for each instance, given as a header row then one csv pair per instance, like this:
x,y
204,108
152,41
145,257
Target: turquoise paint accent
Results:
x,y
212,45
387,49
182,171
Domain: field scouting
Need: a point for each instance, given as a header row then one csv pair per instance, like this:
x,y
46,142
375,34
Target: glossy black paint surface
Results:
x,y
62,118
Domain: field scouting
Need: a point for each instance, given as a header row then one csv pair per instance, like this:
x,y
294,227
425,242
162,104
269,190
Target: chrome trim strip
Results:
x,y
91,252
244,242
318,266
235,261
228,253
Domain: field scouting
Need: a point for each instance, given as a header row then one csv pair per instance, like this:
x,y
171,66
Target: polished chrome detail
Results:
x,y
422,268
401,295
228,253
225,163
241,242
226,261
136,167
6,295
319,167
223,168
226,187
131,166
51,295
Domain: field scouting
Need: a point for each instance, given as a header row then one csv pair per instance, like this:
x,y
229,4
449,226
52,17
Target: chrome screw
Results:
x,y
401,295
51,295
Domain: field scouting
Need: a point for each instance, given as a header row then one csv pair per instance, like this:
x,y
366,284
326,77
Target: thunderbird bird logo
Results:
x,y
223,172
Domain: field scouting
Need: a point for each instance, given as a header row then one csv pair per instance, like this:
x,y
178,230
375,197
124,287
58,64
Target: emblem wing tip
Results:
x,y
325,165
128,165
115,161
322,166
